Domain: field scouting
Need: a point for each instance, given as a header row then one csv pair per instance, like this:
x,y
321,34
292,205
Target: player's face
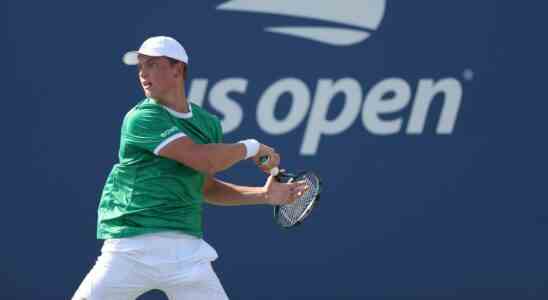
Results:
x,y
157,75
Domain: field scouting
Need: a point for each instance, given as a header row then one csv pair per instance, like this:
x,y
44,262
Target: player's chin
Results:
x,y
148,93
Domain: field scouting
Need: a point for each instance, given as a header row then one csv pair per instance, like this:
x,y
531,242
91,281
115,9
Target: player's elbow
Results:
x,y
210,167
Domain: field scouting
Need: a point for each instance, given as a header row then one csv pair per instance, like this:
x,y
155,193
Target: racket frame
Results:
x,y
309,207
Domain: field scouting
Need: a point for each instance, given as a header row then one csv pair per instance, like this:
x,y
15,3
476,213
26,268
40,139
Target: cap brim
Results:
x,y
130,58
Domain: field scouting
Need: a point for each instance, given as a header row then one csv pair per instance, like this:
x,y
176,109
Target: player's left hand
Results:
x,y
278,193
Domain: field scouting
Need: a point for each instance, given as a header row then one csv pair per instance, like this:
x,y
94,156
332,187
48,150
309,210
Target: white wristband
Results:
x,y
251,147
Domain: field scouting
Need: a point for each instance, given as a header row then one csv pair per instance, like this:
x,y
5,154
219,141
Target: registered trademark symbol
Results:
x,y
468,74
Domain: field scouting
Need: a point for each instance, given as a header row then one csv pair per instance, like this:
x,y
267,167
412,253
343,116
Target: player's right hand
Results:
x,y
273,158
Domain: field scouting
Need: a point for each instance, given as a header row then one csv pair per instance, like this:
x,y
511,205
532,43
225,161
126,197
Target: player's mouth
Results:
x,y
146,85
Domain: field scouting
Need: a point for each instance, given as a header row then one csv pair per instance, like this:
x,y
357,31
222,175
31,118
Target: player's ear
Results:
x,y
183,70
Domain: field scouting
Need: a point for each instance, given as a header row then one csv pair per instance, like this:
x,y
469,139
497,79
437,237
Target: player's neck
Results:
x,y
176,100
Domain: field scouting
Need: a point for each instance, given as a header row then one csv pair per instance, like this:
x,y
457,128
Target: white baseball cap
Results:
x,y
158,46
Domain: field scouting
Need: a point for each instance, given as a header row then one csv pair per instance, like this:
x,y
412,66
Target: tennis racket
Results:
x,y
293,214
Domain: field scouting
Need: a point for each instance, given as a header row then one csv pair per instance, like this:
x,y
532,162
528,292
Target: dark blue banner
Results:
x,y
425,120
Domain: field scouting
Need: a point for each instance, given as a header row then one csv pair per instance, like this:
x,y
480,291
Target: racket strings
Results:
x,y
292,213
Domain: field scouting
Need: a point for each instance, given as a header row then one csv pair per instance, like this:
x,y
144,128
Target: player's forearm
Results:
x,y
214,158
209,158
223,193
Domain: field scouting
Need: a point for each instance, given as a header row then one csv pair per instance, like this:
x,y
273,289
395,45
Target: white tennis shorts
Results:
x,y
175,263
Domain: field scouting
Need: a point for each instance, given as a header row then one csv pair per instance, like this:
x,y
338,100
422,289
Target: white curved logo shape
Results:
x,y
351,20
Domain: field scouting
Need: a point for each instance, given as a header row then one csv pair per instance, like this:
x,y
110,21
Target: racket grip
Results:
x,y
263,160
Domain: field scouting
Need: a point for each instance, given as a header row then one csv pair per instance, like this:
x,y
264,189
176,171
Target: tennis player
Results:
x,y
150,213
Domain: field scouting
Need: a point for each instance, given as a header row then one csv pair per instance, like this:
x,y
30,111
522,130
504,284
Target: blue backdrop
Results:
x,y
424,118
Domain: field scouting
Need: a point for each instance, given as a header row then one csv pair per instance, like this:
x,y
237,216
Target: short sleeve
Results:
x,y
150,128
218,131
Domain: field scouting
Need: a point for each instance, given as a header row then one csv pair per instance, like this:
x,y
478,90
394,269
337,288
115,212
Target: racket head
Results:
x,y
293,214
